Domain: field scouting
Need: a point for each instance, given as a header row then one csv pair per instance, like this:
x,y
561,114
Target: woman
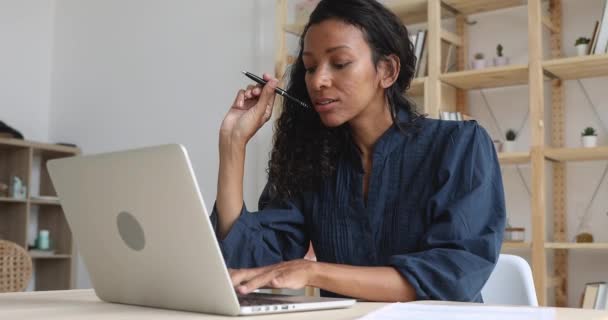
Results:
x,y
398,207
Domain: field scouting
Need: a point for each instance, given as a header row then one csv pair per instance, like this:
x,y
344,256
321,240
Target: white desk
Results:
x,y
83,304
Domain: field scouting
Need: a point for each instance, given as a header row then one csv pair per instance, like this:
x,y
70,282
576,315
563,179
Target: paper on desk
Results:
x,y
416,311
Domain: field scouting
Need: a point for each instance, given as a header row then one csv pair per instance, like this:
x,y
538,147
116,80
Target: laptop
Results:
x,y
144,233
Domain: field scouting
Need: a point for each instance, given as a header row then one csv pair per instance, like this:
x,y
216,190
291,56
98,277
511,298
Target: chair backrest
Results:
x,y
510,283
15,267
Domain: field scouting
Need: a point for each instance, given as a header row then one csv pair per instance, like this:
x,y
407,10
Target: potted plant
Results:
x,y
479,62
582,45
500,60
589,138
509,144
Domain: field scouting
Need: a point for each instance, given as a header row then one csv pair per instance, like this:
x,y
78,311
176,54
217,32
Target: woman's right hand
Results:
x,y
252,108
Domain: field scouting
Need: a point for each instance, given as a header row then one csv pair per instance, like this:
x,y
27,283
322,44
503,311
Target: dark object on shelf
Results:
x,y
66,144
8,132
584,237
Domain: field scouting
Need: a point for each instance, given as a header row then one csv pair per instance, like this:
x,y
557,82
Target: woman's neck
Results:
x,y
369,127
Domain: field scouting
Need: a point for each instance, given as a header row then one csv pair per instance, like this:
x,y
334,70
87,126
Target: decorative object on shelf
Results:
x,y
18,190
582,46
500,60
589,137
479,62
515,234
43,242
8,132
497,145
3,190
509,144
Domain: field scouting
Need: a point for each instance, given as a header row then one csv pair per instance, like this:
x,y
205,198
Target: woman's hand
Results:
x,y
294,274
252,107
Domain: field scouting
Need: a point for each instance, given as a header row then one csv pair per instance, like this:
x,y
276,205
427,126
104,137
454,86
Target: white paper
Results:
x,y
417,311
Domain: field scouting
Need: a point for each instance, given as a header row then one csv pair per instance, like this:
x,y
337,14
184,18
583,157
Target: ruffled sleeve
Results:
x,y
275,233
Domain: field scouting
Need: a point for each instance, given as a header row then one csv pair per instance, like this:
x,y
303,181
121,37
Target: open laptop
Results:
x,y
144,232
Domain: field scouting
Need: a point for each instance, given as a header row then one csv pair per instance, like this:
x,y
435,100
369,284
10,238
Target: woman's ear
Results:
x,y
389,70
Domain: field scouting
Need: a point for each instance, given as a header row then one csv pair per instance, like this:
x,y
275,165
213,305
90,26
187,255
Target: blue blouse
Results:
x,y
435,212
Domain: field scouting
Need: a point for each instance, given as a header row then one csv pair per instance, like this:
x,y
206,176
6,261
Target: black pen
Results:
x,y
277,89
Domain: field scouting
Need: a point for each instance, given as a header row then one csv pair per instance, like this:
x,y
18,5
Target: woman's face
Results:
x,y
341,79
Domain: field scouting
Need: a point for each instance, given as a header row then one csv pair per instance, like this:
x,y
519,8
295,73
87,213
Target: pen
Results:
x,y
277,89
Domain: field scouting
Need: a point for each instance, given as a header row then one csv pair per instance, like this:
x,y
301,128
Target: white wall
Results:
x,y
25,64
135,73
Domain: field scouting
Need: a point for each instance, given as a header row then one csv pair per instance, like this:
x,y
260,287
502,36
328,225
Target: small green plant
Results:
x,y
589,131
479,56
511,135
499,50
582,40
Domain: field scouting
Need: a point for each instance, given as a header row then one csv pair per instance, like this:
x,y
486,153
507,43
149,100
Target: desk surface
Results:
x,y
84,304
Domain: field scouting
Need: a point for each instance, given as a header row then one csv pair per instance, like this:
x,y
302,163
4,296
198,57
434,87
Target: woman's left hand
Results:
x,y
294,274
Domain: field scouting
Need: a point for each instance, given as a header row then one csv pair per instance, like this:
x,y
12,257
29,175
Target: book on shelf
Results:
x,y
593,38
41,253
595,296
602,37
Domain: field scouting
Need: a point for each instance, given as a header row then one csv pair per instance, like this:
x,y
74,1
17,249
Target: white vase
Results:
x,y
501,61
478,63
581,49
589,141
508,146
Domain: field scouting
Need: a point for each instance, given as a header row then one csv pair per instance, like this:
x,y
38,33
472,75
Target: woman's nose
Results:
x,y
320,79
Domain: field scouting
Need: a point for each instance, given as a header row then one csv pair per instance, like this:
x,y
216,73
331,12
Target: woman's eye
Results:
x,y
310,69
341,65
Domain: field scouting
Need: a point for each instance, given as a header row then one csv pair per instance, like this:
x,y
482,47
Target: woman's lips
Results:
x,y
321,105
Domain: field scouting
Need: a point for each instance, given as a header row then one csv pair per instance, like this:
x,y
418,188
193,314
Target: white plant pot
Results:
x,y
478,63
508,146
589,141
581,49
501,61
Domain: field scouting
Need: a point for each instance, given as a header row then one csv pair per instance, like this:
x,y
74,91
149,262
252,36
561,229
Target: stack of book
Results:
x,y
599,37
595,296
420,50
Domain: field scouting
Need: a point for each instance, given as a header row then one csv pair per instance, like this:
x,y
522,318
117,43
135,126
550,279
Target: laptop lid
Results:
x,y
142,228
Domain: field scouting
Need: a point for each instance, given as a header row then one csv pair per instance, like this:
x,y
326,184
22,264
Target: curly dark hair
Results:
x,y
305,151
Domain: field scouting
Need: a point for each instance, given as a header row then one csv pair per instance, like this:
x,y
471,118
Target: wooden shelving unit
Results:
x,y
491,77
24,159
448,92
576,154
514,158
577,67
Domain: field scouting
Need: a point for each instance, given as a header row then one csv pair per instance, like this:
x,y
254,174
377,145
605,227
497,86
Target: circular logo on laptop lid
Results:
x,y
130,231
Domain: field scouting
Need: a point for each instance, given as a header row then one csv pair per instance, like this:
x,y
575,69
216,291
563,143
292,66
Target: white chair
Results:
x,y
510,283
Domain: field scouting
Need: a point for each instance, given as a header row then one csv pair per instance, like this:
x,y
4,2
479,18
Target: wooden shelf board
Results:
x,y
417,87
38,146
12,200
516,245
578,67
415,11
514,158
491,77
53,256
572,245
576,154
45,202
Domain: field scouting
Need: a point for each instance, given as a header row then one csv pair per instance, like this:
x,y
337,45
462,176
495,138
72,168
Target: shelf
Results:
x,y
491,77
573,245
576,154
416,87
52,202
415,11
514,158
516,245
51,256
11,200
578,67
